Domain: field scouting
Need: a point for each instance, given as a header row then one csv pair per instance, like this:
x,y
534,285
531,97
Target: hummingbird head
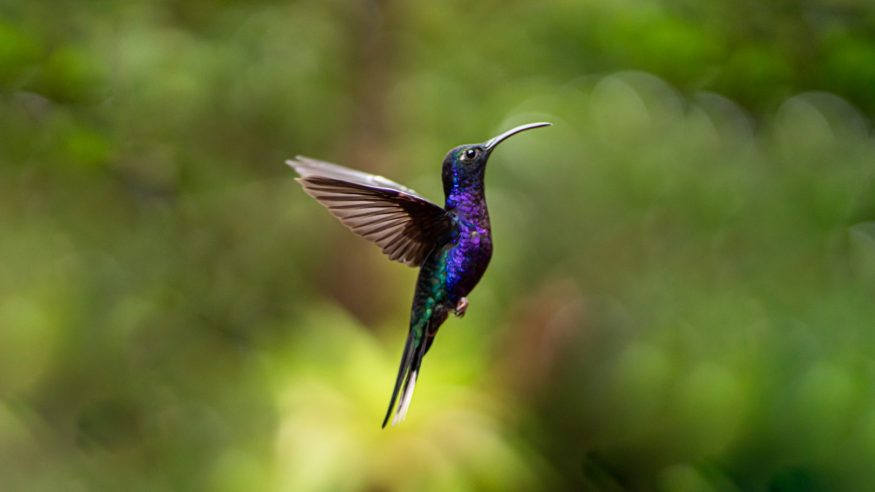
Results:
x,y
464,165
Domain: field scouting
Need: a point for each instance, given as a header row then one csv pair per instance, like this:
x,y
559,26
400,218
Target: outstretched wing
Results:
x,y
406,226
307,167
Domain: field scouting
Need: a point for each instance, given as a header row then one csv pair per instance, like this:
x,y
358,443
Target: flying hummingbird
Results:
x,y
451,245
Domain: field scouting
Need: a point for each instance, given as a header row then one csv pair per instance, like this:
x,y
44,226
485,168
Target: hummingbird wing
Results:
x,y
307,167
403,224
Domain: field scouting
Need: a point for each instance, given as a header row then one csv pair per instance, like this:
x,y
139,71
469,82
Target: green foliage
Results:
x,y
681,292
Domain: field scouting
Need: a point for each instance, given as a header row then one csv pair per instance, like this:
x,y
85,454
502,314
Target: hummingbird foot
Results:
x,y
461,307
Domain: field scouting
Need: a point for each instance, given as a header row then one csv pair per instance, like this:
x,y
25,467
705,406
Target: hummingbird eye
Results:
x,y
470,154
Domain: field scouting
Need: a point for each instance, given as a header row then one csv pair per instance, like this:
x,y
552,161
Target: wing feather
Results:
x,y
305,166
403,224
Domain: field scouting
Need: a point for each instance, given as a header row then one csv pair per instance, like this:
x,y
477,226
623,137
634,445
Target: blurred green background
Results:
x,y
681,296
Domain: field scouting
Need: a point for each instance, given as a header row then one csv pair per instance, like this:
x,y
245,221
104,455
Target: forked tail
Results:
x,y
411,360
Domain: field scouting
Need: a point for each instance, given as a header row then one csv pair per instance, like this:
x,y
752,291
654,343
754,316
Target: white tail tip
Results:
x,y
405,400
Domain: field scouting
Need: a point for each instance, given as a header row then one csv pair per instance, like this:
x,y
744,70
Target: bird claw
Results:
x,y
461,307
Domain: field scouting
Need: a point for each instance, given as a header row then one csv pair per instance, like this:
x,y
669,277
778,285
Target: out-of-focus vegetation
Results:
x,y
681,296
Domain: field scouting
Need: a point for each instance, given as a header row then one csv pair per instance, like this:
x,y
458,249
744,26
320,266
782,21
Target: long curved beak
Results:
x,y
504,136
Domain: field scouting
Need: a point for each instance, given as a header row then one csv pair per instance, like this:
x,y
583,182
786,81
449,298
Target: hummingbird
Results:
x,y
451,245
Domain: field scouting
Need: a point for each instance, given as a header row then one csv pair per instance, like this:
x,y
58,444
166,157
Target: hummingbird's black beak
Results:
x,y
504,136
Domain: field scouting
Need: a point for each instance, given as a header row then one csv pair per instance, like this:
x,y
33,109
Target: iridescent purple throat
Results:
x,y
471,249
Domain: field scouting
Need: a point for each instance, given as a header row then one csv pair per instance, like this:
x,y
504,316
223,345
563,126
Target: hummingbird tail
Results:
x,y
406,398
411,360
410,384
406,359
419,340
